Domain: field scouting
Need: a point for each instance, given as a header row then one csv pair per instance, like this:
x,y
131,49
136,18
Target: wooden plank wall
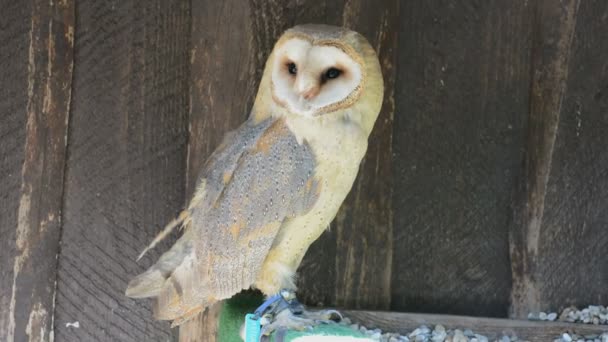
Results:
x,y
463,89
560,233
37,40
483,191
127,146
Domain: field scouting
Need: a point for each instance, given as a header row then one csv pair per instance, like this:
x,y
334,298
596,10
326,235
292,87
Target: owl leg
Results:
x,y
285,312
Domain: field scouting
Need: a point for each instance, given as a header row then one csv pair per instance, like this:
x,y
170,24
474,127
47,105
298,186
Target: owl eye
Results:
x,y
332,73
291,67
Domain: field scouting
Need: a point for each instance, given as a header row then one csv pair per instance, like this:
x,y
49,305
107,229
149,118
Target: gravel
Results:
x,y
593,314
566,337
426,334
439,333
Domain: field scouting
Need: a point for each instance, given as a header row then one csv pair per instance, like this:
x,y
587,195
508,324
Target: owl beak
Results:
x,y
306,87
309,93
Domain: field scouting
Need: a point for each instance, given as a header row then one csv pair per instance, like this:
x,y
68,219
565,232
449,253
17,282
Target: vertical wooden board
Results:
x,y
223,82
461,104
572,261
36,68
227,66
125,172
350,265
552,39
364,225
15,34
316,276
222,78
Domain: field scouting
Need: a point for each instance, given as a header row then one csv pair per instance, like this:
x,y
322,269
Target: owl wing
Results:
x,y
258,178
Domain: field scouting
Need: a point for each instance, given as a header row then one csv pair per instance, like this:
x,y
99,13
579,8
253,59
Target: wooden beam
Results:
x,y
225,71
36,61
559,234
404,323
351,265
126,159
461,108
364,225
550,69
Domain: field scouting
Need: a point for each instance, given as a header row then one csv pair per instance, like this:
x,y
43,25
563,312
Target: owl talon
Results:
x,y
289,321
285,312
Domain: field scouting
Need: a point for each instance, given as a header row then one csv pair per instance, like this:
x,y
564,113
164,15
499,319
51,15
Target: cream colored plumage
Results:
x,y
275,183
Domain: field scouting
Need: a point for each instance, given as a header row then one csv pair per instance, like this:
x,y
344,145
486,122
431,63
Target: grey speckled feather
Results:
x,y
256,180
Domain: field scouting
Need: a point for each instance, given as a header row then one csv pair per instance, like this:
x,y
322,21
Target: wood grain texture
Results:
x,y
559,254
364,226
461,104
126,159
317,274
493,328
553,29
223,84
350,265
227,66
36,63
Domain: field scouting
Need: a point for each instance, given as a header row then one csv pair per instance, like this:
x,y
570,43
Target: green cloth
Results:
x,y
324,330
233,314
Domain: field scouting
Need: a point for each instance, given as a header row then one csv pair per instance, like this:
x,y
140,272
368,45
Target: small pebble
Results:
x,y
420,338
481,338
459,336
415,333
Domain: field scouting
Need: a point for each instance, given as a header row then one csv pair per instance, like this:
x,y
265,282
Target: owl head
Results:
x,y
317,70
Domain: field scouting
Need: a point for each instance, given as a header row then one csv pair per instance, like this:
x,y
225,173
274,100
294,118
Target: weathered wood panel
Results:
x,y
560,257
36,72
223,82
364,226
461,105
126,159
317,275
553,30
350,266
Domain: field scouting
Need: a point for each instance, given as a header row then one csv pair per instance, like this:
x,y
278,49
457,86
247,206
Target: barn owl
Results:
x,y
275,183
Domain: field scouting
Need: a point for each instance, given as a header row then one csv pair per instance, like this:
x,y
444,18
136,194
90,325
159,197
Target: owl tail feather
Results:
x,y
151,282
147,284
182,220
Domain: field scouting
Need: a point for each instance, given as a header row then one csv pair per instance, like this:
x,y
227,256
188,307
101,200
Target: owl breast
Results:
x,y
338,146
